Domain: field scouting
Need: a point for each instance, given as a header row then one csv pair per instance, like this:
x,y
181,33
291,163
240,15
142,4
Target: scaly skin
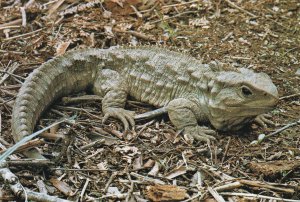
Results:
x,y
190,91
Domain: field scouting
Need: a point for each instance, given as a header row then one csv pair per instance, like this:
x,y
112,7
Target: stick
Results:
x,y
175,16
12,149
283,128
180,4
265,185
257,196
15,22
23,35
0,123
215,194
112,177
23,12
229,186
31,162
20,191
239,8
130,191
145,178
192,198
226,150
84,188
289,96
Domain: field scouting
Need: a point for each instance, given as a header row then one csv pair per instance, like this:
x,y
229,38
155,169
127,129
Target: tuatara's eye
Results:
x,y
246,91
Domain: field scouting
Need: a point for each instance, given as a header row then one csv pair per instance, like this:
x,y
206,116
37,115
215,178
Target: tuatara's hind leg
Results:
x,y
111,85
184,114
113,106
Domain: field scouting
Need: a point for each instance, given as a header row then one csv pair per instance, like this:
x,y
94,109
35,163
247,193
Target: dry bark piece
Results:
x,y
273,168
62,187
166,193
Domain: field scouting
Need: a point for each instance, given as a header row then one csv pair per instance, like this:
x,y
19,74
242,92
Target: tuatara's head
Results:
x,y
240,97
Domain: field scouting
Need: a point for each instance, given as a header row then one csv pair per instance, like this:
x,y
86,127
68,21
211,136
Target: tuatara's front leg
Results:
x,y
184,114
263,120
113,105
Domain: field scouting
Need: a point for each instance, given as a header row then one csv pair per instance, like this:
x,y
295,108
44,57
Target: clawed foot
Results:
x,y
263,120
125,116
200,133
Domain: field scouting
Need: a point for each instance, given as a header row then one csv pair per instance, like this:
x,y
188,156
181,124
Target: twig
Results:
x,y
130,191
97,142
229,186
31,162
175,16
290,96
19,190
226,150
227,36
23,12
84,188
257,196
14,52
215,194
112,177
10,27
15,22
145,178
194,197
238,57
84,98
10,150
267,186
28,145
151,114
180,4
117,196
79,169
23,35
239,8
136,11
10,72
136,34
0,123
3,147
283,128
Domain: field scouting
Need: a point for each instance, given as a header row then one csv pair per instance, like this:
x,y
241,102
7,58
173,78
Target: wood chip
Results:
x,y
165,193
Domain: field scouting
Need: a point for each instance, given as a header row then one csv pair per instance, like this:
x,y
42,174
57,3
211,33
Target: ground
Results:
x,y
261,35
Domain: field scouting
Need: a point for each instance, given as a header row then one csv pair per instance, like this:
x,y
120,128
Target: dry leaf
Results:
x,y
54,7
138,162
62,47
166,193
149,163
180,170
131,151
102,165
106,14
113,190
244,41
199,22
154,171
108,31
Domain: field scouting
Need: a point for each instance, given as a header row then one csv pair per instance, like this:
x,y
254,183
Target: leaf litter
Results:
x,y
95,161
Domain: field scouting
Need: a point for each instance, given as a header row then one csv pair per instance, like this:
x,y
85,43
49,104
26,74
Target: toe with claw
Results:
x,y
264,120
125,116
200,133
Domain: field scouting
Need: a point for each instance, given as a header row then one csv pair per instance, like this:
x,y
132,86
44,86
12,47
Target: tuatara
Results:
x,y
191,92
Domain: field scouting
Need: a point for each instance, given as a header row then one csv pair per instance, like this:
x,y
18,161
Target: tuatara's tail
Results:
x,y
60,76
